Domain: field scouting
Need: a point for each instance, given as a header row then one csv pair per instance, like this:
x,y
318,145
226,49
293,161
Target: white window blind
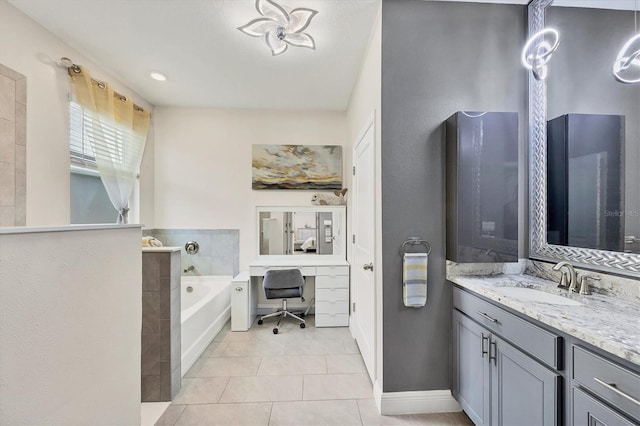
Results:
x,y
80,148
109,138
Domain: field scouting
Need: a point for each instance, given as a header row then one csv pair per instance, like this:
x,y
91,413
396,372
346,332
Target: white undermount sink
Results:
x,y
533,295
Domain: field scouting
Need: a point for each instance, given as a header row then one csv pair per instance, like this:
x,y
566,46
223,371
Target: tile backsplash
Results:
x,y
219,252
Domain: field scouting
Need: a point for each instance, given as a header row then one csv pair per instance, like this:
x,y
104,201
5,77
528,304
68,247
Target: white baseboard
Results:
x,y
415,402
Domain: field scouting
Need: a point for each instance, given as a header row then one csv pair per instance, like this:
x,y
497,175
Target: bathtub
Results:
x,y
204,311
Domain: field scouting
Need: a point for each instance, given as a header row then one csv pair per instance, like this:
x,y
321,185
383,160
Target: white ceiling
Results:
x,y
207,61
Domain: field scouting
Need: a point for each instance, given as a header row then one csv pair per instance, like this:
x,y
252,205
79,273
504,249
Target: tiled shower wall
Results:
x,y
13,143
219,252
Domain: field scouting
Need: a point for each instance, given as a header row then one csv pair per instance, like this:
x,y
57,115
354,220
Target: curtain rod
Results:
x,y
68,63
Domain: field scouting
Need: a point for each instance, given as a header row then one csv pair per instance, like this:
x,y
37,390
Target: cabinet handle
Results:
x,y
495,352
487,316
482,344
238,288
612,387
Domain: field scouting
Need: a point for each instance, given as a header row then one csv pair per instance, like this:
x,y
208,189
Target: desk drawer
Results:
x,y
538,342
337,307
332,294
332,320
334,281
598,375
259,271
332,270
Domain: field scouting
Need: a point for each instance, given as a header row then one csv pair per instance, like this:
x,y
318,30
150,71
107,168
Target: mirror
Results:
x,y
593,131
300,231
584,134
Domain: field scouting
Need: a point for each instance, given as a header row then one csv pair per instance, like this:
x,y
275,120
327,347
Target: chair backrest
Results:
x,y
283,278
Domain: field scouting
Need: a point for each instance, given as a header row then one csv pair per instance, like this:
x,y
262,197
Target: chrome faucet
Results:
x,y
584,283
572,283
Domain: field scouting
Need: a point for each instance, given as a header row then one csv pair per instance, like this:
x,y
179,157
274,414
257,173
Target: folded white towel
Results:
x,y
151,242
414,279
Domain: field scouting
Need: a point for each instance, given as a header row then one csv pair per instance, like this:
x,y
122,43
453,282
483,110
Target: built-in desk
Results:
x,y
331,289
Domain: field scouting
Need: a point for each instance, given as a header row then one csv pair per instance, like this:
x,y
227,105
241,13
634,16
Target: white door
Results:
x,y
362,276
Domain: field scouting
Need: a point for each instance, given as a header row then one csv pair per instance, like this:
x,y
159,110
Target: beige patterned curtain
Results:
x,y
117,131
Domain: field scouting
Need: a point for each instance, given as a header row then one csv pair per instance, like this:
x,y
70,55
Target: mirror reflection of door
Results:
x,y
304,232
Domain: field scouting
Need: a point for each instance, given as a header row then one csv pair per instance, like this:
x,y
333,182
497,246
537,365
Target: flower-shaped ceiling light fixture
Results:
x,y
280,26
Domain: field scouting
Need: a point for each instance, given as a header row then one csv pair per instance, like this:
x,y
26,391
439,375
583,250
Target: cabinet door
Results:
x,y
588,411
523,391
471,368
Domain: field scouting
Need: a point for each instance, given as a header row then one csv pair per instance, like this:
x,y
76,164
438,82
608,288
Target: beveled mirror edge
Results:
x,y
607,261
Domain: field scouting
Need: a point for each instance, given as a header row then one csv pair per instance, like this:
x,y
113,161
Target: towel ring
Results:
x,y
415,241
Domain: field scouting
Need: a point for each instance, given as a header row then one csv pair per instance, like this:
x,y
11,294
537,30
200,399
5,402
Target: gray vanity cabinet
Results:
x,y
495,382
471,372
523,392
591,412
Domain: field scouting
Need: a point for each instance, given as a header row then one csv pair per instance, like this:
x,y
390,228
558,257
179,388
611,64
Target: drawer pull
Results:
x,y
482,344
238,288
482,314
612,387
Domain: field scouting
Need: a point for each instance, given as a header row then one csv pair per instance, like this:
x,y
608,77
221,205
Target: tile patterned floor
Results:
x,y
310,376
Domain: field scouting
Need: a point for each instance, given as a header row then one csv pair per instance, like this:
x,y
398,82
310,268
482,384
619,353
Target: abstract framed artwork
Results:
x,y
296,167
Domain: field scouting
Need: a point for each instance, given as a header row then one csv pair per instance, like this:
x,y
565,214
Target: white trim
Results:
x,y
415,402
377,395
370,123
84,171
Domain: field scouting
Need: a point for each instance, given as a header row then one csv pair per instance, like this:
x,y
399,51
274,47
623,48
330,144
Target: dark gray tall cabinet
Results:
x,y
585,181
482,187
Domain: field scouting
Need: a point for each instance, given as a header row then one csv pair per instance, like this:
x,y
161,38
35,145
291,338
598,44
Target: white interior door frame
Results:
x,y
370,124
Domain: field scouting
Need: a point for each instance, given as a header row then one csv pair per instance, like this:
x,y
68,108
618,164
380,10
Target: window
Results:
x,y
89,200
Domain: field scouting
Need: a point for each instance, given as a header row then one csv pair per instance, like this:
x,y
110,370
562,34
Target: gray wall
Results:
x,y
437,58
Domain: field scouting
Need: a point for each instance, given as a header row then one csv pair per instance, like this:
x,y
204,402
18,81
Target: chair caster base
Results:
x,y
302,325
260,322
275,331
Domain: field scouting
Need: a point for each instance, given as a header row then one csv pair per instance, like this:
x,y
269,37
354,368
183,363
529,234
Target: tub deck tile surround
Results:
x,y
161,350
310,376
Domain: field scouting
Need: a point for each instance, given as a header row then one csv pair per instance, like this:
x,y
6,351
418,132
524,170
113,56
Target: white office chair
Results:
x,y
283,284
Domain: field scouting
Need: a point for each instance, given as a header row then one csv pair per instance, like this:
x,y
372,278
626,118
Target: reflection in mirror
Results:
x,y
593,131
296,232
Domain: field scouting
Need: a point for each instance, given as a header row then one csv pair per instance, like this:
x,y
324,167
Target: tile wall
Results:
x,y
13,142
219,248
161,334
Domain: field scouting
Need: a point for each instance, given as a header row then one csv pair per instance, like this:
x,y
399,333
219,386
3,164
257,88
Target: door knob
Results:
x,y
368,267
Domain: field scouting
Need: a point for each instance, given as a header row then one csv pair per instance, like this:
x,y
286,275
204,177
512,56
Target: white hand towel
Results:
x,y
414,279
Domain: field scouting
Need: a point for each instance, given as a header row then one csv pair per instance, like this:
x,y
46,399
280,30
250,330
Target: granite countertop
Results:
x,y
608,323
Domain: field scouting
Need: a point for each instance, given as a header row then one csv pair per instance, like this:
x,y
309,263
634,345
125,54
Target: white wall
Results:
x,y
203,165
31,50
365,99
70,323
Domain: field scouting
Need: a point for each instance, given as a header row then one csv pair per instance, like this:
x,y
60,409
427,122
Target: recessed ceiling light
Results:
x,y
158,76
